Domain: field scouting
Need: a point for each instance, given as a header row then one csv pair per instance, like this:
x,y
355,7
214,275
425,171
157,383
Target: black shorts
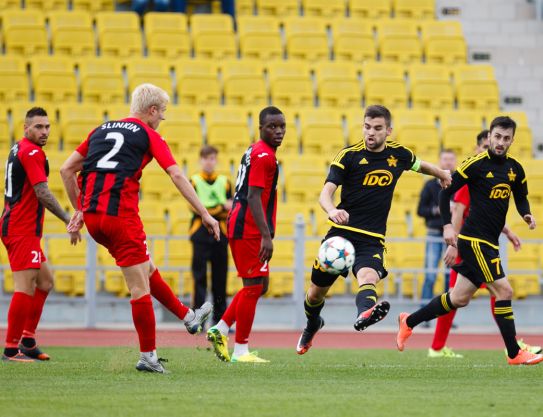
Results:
x,y
480,261
369,253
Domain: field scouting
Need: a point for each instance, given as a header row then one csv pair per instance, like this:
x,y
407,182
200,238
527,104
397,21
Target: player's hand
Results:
x,y
450,256
75,237
76,222
266,249
339,216
514,239
530,220
449,235
446,178
212,226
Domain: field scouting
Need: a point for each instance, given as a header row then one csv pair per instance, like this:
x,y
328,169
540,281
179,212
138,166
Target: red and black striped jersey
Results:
x,y
258,168
115,154
26,166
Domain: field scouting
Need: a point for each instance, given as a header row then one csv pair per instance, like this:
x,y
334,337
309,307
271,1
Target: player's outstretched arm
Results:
x,y
254,199
48,200
187,190
512,237
443,175
68,172
326,200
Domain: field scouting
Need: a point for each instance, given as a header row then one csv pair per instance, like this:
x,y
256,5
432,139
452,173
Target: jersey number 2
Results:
x,y
105,162
9,181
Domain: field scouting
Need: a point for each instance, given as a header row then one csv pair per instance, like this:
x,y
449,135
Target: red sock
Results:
x,y
165,296
35,313
492,306
144,321
245,311
229,316
443,327
19,309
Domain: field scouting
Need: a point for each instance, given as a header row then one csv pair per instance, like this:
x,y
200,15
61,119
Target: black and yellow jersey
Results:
x,y
368,180
491,179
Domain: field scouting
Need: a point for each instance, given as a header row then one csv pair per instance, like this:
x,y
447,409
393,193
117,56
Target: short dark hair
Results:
x,y
35,111
270,110
208,150
482,136
377,110
505,122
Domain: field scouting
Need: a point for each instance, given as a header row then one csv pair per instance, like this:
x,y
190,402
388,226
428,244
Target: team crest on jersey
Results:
x,y
378,178
392,162
512,176
500,191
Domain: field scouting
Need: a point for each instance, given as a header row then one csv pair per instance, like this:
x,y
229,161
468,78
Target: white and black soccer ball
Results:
x,y
336,255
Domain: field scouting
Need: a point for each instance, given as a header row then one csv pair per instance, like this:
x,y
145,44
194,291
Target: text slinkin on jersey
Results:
x,y
368,180
258,168
115,155
23,213
490,182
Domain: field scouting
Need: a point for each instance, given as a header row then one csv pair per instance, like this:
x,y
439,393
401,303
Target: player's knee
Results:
x,y
460,301
315,294
46,286
504,293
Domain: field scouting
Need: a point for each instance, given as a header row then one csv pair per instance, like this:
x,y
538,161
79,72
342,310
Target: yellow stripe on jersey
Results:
x,y
354,229
474,239
357,147
481,261
464,165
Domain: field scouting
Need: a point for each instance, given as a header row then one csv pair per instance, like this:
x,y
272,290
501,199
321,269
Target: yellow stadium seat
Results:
x,y
244,7
325,8
399,41
54,79
179,217
290,144
322,131
384,84
277,7
316,163
414,9
197,82
5,139
244,82
166,35
117,111
411,257
355,121
213,36
119,34
94,5
286,218
353,39
431,86
10,4
290,83
102,80
306,38
227,129
255,31
476,87
409,188
179,253
182,130
24,32
338,84
443,42
13,79
115,283
46,5
303,187
77,121
61,252
369,9
459,131
149,70
155,185
72,33
417,130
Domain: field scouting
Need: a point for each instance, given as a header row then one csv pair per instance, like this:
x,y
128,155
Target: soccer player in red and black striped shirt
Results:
x,y
251,227
26,196
111,161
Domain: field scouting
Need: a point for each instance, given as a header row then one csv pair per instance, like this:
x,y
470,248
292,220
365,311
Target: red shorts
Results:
x,y
245,254
24,252
123,237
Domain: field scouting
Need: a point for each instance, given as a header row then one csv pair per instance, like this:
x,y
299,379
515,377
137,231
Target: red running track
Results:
x,y
269,339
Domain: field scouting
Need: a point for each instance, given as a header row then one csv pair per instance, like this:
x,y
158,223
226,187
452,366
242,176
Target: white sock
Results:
x,y
223,327
150,356
189,316
241,349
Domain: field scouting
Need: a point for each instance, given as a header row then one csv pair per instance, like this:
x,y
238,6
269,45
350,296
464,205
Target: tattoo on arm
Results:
x,y
49,201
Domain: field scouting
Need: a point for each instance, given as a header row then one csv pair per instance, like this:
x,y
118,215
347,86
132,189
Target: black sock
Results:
x,y
9,352
28,342
503,313
312,311
439,306
366,297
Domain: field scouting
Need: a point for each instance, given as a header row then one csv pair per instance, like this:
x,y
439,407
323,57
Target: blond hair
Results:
x,y
146,95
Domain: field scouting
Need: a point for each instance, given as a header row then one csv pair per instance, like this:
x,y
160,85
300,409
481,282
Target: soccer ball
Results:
x,y
336,255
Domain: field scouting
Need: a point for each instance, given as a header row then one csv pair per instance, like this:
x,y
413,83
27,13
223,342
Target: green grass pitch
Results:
x,y
325,382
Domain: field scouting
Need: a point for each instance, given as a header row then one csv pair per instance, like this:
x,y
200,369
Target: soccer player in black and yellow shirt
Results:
x,y
368,173
491,177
